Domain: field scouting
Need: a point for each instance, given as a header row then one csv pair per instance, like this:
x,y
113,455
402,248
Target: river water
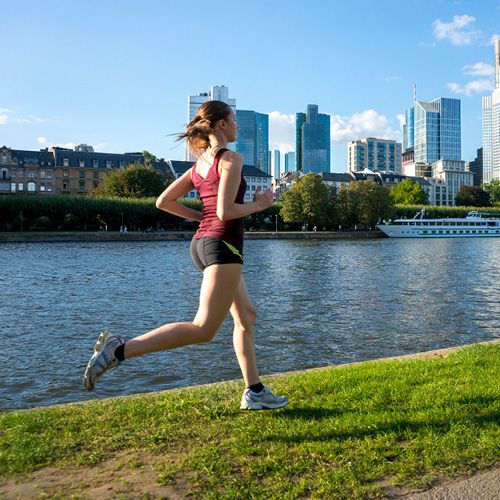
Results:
x,y
318,302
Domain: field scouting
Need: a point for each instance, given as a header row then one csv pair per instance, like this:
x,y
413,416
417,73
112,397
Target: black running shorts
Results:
x,y
207,251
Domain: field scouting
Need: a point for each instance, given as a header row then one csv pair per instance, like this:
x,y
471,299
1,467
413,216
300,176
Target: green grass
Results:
x,y
347,432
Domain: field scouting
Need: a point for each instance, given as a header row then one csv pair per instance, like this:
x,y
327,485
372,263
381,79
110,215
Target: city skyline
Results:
x,y
122,89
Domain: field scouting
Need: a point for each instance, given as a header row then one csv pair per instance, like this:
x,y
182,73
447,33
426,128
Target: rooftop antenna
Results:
x,y
414,92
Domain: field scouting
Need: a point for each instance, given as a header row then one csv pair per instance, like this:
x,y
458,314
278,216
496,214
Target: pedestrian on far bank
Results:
x,y
216,249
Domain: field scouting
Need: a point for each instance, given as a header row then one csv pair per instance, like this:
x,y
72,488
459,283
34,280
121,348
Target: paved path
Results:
x,y
482,486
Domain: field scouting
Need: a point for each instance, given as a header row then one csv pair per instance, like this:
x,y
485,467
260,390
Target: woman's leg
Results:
x,y
218,289
243,313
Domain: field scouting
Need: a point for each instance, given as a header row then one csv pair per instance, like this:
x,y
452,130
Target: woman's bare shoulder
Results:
x,y
232,157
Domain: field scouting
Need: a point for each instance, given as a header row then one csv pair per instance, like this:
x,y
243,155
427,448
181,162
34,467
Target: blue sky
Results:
x,y
117,74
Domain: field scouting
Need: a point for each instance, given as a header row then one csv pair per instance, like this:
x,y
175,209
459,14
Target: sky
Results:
x,y
117,74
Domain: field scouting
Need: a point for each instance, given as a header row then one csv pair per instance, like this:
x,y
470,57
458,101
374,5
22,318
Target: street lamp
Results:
x,y
276,217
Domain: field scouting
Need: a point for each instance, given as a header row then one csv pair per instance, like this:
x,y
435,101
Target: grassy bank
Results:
x,y
348,432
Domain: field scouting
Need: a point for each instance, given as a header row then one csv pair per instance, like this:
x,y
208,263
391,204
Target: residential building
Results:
x,y
374,154
216,93
433,129
491,126
312,140
253,138
476,167
290,162
254,178
58,170
453,175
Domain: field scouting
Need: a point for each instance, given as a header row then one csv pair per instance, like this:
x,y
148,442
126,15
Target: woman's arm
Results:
x,y
230,167
167,201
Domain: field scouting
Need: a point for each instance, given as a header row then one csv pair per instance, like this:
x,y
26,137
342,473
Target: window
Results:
x,y
82,185
96,176
42,174
31,187
121,163
49,174
95,163
13,187
65,173
31,174
82,163
42,186
65,162
4,174
65,186
20,187
82,175
108,163
49,187
4,158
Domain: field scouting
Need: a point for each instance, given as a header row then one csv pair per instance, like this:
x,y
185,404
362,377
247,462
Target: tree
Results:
x,y
149,158
472,196
307,201
409,193
493,189
369,202
135,181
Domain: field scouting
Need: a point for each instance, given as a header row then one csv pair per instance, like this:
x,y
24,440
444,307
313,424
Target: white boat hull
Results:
x,y
416,232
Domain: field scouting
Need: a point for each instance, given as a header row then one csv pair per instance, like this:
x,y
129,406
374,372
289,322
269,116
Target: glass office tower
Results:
x,y
436,130
253,138
313,140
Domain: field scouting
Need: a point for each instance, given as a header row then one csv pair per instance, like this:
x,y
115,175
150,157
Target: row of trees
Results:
x,y
311,202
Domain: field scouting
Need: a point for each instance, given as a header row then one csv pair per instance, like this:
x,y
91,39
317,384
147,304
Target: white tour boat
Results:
x,y
474,225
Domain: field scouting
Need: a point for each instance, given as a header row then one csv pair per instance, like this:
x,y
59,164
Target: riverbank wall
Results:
x,y
104,236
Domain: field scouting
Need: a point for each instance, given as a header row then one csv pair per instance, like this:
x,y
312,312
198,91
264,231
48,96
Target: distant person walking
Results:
x,y
217,250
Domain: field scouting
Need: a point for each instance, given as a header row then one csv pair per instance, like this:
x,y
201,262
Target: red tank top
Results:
x,y
231,231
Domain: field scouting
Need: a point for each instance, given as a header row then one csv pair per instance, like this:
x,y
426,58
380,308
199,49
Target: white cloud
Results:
x,y
392,78
401,119
42,140
479,69
368,123
458,32
12,116
474,87
281,131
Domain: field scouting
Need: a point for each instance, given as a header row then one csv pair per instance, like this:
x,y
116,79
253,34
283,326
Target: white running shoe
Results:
x,y
264,400
103,358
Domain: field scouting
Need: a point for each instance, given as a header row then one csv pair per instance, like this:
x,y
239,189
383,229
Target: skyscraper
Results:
x,y
434,130
253,138
276,164
312,138
491,126
216,93
290,162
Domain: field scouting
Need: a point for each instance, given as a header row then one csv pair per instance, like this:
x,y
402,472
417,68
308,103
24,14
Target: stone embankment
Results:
x,y
49,237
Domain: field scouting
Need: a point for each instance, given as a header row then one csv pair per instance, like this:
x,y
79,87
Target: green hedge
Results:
x,y
79,213
409,211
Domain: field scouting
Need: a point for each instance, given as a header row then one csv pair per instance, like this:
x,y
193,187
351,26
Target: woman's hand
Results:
x,y
263,200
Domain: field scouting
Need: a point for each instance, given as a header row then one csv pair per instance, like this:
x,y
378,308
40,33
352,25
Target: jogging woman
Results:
x,y
217,250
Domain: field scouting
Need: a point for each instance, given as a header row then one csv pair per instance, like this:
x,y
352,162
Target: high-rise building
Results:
x,y
433,128
216,93
476,167
312,140
253,138
290,162
276,164
491,126
374,154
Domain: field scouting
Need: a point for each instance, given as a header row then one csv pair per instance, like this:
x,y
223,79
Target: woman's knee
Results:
x,y
246,321
206,332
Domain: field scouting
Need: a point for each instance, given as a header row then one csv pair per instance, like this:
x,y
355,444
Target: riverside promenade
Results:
x,y
47,237
422,426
